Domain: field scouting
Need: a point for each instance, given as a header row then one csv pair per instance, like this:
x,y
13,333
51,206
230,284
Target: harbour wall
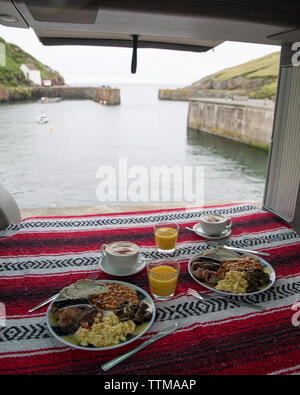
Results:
x,y
249,121
103,94
174,94
187,93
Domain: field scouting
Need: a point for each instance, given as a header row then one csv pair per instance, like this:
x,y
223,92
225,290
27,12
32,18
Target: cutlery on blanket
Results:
x,y
196,294
93,276
152,339
190,229
243,250
238,249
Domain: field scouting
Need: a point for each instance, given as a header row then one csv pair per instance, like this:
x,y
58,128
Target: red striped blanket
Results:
x,y
42,255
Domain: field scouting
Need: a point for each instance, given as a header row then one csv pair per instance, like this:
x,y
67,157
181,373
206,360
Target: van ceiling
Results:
x,y
191,25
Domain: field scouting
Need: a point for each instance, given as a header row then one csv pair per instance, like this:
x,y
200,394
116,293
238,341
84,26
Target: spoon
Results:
x,y
190,229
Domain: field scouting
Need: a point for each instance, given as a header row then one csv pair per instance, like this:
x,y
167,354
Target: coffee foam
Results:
x,y
213,218
122,248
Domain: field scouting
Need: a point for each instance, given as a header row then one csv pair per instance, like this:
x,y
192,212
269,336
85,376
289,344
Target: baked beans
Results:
x,y
115,294
245,263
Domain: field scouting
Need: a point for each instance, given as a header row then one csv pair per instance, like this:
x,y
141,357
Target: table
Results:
x,y
42,255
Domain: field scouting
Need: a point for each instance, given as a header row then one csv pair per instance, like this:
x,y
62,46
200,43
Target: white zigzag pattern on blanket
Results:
x,y
89,259
123,221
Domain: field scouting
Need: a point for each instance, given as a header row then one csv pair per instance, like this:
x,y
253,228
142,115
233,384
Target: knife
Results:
x,y
243,250
43,303
155,337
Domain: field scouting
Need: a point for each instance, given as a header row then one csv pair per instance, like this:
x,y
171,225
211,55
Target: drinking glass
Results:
x,y
163,277
166,237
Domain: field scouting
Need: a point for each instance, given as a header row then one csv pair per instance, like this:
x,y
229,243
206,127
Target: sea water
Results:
x,y
55,164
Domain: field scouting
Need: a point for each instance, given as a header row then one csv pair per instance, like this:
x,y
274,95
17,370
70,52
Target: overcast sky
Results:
x,y
102,65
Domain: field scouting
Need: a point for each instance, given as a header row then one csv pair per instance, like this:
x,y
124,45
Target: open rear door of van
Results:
x,y
282,192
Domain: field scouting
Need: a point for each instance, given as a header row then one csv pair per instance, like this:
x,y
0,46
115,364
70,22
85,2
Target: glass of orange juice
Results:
x,y
166,236
163,277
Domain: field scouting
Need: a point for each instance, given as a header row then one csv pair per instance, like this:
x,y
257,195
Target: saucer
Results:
x,y
109,270
198,230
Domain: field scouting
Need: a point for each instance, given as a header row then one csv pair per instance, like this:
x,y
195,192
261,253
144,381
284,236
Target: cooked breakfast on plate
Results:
x,y
229,271
99,314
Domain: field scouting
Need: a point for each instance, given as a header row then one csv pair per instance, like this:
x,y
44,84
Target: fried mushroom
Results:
x,y
138,313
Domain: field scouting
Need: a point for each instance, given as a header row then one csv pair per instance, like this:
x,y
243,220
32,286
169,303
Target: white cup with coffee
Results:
x,y
214,224
122,256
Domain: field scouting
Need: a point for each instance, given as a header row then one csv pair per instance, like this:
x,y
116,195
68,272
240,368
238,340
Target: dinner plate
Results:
x,y
70,339
265,265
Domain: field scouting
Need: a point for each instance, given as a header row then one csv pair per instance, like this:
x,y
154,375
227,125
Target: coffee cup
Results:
x,y
121,256
214,224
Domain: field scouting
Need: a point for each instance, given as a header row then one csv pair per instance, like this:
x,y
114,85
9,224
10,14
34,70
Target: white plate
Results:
x,y
197,229
109,270
71,341
264,264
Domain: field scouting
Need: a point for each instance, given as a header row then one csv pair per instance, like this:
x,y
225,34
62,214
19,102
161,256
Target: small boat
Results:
x,y
46,100
42,118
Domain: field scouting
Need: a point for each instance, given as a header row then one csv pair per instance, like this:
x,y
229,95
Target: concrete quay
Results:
x,y
107,209
247,121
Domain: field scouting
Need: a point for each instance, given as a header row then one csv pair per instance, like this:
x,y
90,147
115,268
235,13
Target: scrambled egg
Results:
x,y
233,282
106,333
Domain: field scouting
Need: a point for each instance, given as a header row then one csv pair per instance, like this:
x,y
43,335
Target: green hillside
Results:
x,y
12,76
266,66
257,78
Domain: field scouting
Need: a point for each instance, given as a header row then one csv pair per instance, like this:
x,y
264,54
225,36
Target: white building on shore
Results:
x,y
31,73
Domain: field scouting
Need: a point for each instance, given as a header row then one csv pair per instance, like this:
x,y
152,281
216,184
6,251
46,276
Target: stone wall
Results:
x,y
108,95
174,94
188,93
249,121
65,92
112,96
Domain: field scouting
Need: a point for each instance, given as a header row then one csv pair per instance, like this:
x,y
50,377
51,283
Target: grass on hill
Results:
x,y
11,75
265,67
257,78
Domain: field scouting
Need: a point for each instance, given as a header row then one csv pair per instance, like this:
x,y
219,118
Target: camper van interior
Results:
x,y
240,317
186,26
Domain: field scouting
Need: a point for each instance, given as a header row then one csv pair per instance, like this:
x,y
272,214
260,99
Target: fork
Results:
x,y
93,276
196,294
